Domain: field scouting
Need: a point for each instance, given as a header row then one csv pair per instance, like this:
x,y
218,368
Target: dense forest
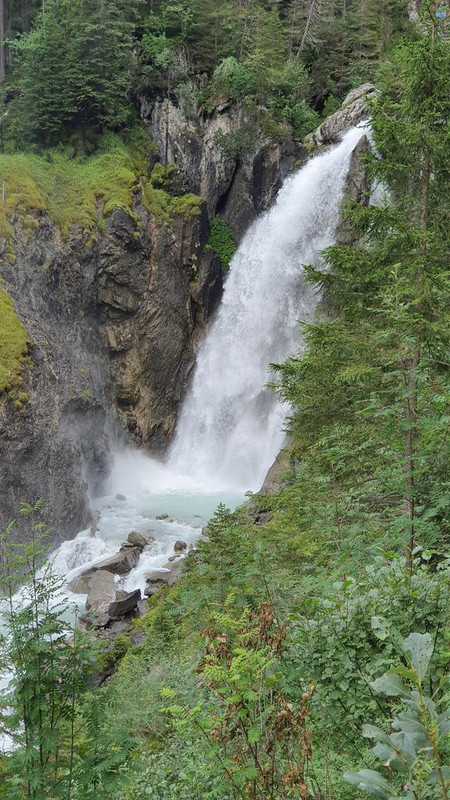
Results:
x,y
73,71
305,651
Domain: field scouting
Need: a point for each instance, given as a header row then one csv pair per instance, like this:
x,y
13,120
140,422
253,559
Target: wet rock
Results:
x,y
100,591
166,575
179,546
95,516
154,582
120,563
143,607
138,540
353,111
162,516
124,604
120,497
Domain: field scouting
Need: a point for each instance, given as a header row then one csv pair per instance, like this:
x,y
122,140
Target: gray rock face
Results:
x,y
58,442
353,111
237,188
113,326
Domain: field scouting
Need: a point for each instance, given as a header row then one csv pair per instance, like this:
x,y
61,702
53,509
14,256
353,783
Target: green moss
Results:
x,y
163,206
221,240
13,345
162,176
72,190
84,191
188,204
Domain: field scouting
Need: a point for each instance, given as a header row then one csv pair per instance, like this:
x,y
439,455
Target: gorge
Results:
x,y
140,296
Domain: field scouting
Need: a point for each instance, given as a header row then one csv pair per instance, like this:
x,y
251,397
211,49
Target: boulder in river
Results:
x,y
124,603
179,546
120,497
100,587
120,563
167,575
139,540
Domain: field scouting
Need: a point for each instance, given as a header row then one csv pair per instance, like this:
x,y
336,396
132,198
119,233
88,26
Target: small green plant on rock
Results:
x,y
221,240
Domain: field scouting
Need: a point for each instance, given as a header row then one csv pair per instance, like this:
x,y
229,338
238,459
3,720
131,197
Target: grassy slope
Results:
x,y
82,191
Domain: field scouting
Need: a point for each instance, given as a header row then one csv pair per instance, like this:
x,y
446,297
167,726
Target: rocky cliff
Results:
x,y
113,320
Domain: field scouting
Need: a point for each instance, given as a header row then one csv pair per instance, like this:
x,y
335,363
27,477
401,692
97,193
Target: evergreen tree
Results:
x,y
74,69
49,672
377,381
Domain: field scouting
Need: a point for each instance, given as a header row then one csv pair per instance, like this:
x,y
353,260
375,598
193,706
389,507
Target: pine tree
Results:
x,y
371,395
48,670
73,69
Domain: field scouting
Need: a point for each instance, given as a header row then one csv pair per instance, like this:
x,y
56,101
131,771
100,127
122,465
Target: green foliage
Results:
x,y
258,742
415,755
52,720
370,395
72,190
349,633
38,706
13,344
221,240
73,70
84,191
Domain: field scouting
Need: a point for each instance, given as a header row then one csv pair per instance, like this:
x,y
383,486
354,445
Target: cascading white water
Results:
x,y
231,426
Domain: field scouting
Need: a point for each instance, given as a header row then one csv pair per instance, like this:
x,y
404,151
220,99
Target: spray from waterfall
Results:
x,y
231,426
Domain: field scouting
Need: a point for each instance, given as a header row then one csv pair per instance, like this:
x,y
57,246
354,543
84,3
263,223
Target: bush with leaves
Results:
x,y
349,634
258,741
415,754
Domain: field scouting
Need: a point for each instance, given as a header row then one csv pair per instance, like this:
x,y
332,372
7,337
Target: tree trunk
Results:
x,y
2,41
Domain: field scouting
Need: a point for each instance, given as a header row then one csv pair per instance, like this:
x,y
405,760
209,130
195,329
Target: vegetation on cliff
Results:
x,y
324,605
13,344
74,73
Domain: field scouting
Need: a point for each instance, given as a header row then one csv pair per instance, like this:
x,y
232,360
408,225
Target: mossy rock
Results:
x,y
13,345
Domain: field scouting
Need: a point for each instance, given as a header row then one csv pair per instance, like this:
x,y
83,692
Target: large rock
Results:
x,y
166,575
120,563
101,589
139,540
353,111
124,604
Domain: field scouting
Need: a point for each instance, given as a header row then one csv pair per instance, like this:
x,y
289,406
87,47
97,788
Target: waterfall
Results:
x,y
231,426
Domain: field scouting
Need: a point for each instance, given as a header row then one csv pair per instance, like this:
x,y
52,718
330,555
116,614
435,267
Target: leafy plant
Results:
x,y
221,240
414,754
258,741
